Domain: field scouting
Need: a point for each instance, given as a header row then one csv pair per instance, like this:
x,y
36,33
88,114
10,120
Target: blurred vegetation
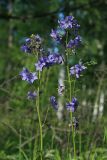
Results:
x,y
18,20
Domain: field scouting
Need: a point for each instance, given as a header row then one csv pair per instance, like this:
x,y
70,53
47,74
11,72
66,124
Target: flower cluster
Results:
x,y
69,23
76,70
48,61
32,44
28,76
72,106
74,43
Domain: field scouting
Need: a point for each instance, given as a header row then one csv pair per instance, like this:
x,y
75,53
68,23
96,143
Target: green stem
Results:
x,y
20,141
80,143
73,130
39,118
68,143
69,82
73,136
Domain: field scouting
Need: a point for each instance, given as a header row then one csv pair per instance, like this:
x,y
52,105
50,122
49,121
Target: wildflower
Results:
x,y
32,44
28,76
68,23
55,59
57,34
77,70
72,106
54,102
48,61
28,40
25,48
40,64
74,43
58,58
31,95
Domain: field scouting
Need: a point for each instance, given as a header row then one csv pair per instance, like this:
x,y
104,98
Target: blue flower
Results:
x,y
58,58
54,102
57,34
72,106
28,76
48,61
28,40
77,70
40,64
26,49
74,43
68,23
31,95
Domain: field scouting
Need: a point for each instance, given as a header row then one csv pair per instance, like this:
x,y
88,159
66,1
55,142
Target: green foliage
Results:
x,y
18,114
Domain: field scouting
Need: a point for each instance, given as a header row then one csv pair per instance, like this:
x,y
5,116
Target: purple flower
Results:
x,y
77,40
48,61
54,35
57,34
68,23
28,40
54,102
58,58
51,59
77,70
75,24
72,106
40,64
28,76
31,95
74,43
71,44
25,49
55,59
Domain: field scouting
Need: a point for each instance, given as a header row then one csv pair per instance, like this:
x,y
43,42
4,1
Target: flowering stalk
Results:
x,y
39,117
33,45
69,24
70,96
